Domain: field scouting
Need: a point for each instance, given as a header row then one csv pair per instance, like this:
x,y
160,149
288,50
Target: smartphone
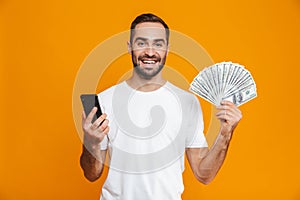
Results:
x,y
89,101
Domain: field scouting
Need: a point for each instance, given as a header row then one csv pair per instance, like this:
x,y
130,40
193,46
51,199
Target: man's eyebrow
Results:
x,y
140,38
159,40
145,39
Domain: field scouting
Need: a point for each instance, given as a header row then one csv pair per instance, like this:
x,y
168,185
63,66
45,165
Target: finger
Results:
x,y
104,125
229,116
235,108
228,103
234,111
222,107
91,115
224,117
227,111
83,117
99,135
230,106
103,129
99,121
225,105
103,132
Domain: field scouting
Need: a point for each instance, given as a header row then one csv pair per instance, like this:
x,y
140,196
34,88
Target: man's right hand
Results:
x,y
94,132
92,158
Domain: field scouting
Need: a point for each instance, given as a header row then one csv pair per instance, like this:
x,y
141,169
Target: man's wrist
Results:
x,y
224,140
93,151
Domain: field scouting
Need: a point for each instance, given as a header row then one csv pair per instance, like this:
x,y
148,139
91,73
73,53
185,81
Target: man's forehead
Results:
x,y
150,30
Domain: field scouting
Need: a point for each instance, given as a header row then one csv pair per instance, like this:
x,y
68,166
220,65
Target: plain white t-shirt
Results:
x,y
149,132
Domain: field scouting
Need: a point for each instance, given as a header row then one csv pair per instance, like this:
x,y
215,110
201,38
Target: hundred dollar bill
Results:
x,y
201,94
242,96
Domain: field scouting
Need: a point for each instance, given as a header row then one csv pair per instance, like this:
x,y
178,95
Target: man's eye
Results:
x,y
158,45
141,44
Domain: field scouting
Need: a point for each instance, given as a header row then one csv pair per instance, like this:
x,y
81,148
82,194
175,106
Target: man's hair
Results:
x,y
148,17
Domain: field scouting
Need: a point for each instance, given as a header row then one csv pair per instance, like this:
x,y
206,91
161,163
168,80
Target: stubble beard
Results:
x,y
144,73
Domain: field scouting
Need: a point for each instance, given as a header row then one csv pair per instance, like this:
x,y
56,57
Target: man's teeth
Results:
x,y
149,61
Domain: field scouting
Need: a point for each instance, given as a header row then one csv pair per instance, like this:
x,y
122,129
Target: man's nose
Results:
x,y
150,51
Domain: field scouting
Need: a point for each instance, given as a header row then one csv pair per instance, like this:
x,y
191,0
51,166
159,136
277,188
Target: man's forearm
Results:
x,y
213,160
206,163
91,164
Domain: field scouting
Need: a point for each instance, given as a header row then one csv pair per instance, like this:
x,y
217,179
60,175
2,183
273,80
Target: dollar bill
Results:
x,y
224,81
242,96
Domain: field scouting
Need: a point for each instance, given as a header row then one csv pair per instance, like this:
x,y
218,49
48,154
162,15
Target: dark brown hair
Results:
x,y
148,17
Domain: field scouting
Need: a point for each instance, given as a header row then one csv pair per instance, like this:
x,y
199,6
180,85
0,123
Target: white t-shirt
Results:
x,y
149,132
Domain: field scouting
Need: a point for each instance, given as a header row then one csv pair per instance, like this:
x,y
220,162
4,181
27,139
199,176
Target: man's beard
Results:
x,y
143,72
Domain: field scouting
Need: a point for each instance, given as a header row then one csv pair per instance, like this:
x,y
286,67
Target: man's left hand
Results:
x,y
229,115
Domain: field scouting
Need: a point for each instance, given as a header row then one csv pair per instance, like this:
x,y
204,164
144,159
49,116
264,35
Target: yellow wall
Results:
x,y
43,44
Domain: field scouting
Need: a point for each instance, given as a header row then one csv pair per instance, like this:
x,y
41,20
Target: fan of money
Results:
x,y
224,81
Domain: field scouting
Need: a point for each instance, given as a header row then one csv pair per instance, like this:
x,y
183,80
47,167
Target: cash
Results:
x,y
224,81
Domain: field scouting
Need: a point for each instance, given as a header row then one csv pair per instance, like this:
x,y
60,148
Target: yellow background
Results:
x,y
43,44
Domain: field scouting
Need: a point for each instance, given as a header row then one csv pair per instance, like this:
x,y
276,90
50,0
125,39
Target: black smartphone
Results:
x,y
89,101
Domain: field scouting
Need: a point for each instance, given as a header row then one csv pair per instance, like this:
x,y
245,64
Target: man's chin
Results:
x,y
147,73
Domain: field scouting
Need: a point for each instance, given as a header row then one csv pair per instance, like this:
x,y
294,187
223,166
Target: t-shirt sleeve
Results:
x,y
195,136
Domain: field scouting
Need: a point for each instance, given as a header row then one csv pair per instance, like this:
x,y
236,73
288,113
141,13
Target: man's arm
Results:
x,y
91,165
206,163
92,157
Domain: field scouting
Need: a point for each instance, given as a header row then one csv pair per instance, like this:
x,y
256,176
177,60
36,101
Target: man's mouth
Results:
x,y
149,62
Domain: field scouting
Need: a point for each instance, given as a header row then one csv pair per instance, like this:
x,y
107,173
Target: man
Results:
x,y
147,114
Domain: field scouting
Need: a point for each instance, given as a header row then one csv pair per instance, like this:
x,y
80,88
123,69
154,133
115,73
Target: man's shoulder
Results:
x,y
109,91
181,92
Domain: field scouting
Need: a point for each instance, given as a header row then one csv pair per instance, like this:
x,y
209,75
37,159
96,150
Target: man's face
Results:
x,y
149,49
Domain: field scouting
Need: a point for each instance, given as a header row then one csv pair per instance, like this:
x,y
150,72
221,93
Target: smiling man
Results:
x,y
149,125
148,47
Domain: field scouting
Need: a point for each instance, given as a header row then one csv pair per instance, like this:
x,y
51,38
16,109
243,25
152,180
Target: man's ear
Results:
x,y
129,48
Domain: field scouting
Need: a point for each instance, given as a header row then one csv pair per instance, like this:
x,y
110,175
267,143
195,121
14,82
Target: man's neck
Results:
x,y
146,85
